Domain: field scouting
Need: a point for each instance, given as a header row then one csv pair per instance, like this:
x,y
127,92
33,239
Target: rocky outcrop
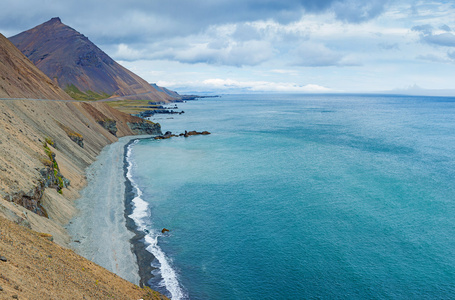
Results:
x,y
116,124
50,178
78,139
51,174
30,199
169,134
146,127
190,133
109,125
73,135
165,136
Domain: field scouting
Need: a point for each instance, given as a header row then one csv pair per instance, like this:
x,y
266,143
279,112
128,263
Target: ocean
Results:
x,y
301,197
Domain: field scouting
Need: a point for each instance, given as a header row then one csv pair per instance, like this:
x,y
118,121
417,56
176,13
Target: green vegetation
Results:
x,y
69,132
131,106
49,141
77,94
52,163
48,151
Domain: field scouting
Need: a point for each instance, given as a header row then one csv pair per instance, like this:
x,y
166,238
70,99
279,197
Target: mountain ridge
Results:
x,y
20,78
80,67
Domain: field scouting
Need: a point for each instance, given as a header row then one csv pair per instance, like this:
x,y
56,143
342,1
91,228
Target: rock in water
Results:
x,y
164,230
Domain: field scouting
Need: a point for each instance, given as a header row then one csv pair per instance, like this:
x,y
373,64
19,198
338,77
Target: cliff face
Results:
x,y
77,65
19,78
45,147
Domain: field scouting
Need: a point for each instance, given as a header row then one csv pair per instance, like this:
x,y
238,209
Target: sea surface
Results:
x,y
301,197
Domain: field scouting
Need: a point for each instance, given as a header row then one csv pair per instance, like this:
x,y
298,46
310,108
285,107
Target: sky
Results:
x,y
236,46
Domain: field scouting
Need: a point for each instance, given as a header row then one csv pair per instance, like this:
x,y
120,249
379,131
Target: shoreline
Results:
x,y
99,231
155,270
138,240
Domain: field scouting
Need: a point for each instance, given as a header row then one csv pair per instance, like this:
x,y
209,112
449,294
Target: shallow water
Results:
x,y
303,196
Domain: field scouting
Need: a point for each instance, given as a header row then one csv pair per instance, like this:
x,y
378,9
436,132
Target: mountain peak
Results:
x,y
55,20
77,65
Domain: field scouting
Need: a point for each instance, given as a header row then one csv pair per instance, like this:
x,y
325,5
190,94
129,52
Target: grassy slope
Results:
x,y
130,106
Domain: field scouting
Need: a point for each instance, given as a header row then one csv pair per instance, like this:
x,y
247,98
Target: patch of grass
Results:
x,y
49,152
49,141
69,131
53,164
131,106
77,94
47,162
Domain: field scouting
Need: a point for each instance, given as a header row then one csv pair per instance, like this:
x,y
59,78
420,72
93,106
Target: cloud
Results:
x,y
231,53
119,21
426,29
310,54
283,71
125,52
432,58
445,28
428,36
389,46
261,86
443,39
353,11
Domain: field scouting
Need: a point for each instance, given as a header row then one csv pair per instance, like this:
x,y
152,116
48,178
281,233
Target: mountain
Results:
x,y
165,90
20,78
79,67
45,148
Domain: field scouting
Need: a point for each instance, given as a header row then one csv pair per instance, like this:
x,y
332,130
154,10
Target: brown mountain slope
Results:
x,y
31,130
36,268
78,131
19,77
78,65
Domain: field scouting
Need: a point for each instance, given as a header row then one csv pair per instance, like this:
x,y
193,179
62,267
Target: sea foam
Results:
x,y
141,217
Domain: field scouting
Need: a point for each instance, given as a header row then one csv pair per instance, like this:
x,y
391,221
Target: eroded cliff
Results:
x,y
42,161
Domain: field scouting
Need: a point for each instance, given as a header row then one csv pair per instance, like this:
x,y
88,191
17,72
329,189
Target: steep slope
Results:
x,y
167,91
75,132
20,78
79,66
36,268
45,147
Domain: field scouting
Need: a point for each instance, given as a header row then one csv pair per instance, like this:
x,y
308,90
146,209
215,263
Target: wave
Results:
x,y
141,217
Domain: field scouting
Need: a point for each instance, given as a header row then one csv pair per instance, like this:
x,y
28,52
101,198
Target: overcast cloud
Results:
x,y
257,45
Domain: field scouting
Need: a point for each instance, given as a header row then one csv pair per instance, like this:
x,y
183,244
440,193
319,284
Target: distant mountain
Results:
x,y
79,66
415,90
165,90
20,78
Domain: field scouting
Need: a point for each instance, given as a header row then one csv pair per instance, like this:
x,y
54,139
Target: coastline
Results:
x,y
138,240
99,230
155,270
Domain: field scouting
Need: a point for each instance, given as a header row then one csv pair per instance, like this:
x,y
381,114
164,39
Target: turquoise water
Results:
x,y
302,197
